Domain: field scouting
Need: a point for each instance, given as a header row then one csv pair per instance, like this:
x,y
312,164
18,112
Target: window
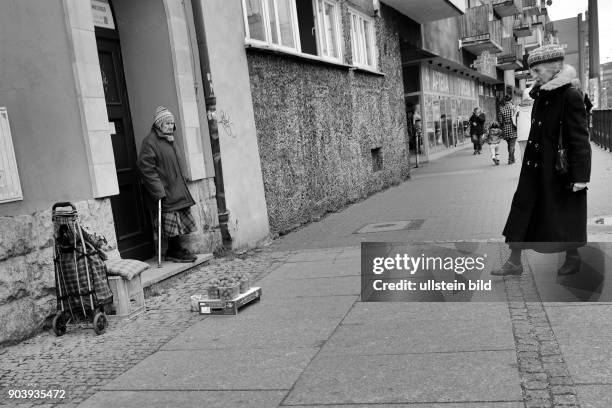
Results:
x,y
363,40
272,21
328,28
377,159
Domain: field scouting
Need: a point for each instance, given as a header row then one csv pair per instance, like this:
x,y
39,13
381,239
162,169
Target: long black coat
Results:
x,y
160,170
544,209
480,120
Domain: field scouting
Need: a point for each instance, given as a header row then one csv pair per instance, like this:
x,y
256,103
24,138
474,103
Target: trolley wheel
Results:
x,y
99,323
59,324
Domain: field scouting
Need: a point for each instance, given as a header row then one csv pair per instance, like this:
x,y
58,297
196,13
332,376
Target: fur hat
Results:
x,y
546,53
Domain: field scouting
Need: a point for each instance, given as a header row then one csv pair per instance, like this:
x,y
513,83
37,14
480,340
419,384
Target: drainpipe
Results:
x,y
211,114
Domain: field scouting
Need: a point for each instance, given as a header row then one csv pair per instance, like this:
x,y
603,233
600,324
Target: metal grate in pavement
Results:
x,y
390,226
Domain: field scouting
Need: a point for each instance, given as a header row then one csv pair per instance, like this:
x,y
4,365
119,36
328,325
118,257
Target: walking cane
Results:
x,y
159,238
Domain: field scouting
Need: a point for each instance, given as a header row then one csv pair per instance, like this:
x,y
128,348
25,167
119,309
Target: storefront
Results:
x,y
447,103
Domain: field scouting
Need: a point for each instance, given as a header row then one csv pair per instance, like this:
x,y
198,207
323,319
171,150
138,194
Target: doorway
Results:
x,y
131,218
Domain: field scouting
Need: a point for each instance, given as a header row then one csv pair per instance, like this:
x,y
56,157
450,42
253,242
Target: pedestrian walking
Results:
x,y
549,208
494,137
477,121
160,170
504,117
523,121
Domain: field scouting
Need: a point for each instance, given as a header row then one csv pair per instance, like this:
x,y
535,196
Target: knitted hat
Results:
x,y
162,114
546,53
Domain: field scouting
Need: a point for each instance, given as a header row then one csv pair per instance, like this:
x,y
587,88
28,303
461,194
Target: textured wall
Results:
x,y
316,125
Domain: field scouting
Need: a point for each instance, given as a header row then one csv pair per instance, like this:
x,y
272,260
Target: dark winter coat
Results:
x,y
480,120
544,208
160,171
504,117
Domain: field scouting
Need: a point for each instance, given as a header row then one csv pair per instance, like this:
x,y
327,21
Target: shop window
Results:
x,y
363,40
377,159
328,28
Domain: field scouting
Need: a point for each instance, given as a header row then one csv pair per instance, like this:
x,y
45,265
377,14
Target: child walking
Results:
x,y
494,137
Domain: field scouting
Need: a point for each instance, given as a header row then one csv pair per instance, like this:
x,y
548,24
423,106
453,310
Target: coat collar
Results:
x,y
563,78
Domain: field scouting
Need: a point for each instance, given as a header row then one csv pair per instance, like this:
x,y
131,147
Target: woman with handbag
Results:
x,y
477,121
549,208
505,117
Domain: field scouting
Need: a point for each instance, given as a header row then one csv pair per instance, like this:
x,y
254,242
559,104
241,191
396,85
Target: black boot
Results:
x,y
571,265
175,253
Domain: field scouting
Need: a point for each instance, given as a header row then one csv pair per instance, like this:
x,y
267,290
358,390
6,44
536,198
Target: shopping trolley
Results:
x,y
81,283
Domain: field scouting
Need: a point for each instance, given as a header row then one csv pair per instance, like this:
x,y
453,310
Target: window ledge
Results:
x,y
299,55
368,70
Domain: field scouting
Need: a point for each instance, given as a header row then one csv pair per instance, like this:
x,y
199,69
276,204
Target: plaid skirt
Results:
x,y
178,222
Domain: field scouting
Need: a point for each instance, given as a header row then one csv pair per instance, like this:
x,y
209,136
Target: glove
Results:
x,y
578,186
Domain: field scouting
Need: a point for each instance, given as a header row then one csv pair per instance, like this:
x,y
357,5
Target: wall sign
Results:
x,y
102,14
10,187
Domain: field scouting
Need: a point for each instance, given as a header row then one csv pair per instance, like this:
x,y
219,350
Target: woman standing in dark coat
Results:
x,y
160,170
477,121
549,210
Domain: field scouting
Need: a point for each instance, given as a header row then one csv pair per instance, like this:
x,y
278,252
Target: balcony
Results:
x,y
435,9
478,34
532,7
506,8
522,28
512,55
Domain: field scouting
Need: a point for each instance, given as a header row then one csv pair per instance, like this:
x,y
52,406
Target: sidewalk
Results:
x,y
311,342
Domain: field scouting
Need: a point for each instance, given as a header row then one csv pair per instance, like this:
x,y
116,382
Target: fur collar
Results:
x,y
564,77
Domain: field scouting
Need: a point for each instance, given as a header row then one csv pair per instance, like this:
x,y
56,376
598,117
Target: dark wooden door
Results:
x,y
132,221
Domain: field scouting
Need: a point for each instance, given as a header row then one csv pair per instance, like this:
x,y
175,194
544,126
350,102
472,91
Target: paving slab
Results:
x,y
185,399
323,269
394,328
227,369
469,404
424,378
580,321
277,288
585,337
306,322
594,396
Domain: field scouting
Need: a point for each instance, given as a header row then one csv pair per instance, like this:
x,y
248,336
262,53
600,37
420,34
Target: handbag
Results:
x,y
561,161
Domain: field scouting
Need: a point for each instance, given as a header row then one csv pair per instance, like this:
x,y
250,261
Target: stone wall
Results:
x,y
317,124
27,276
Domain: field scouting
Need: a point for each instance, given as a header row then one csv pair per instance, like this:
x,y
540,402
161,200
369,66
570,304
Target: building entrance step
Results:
x,y
168,269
